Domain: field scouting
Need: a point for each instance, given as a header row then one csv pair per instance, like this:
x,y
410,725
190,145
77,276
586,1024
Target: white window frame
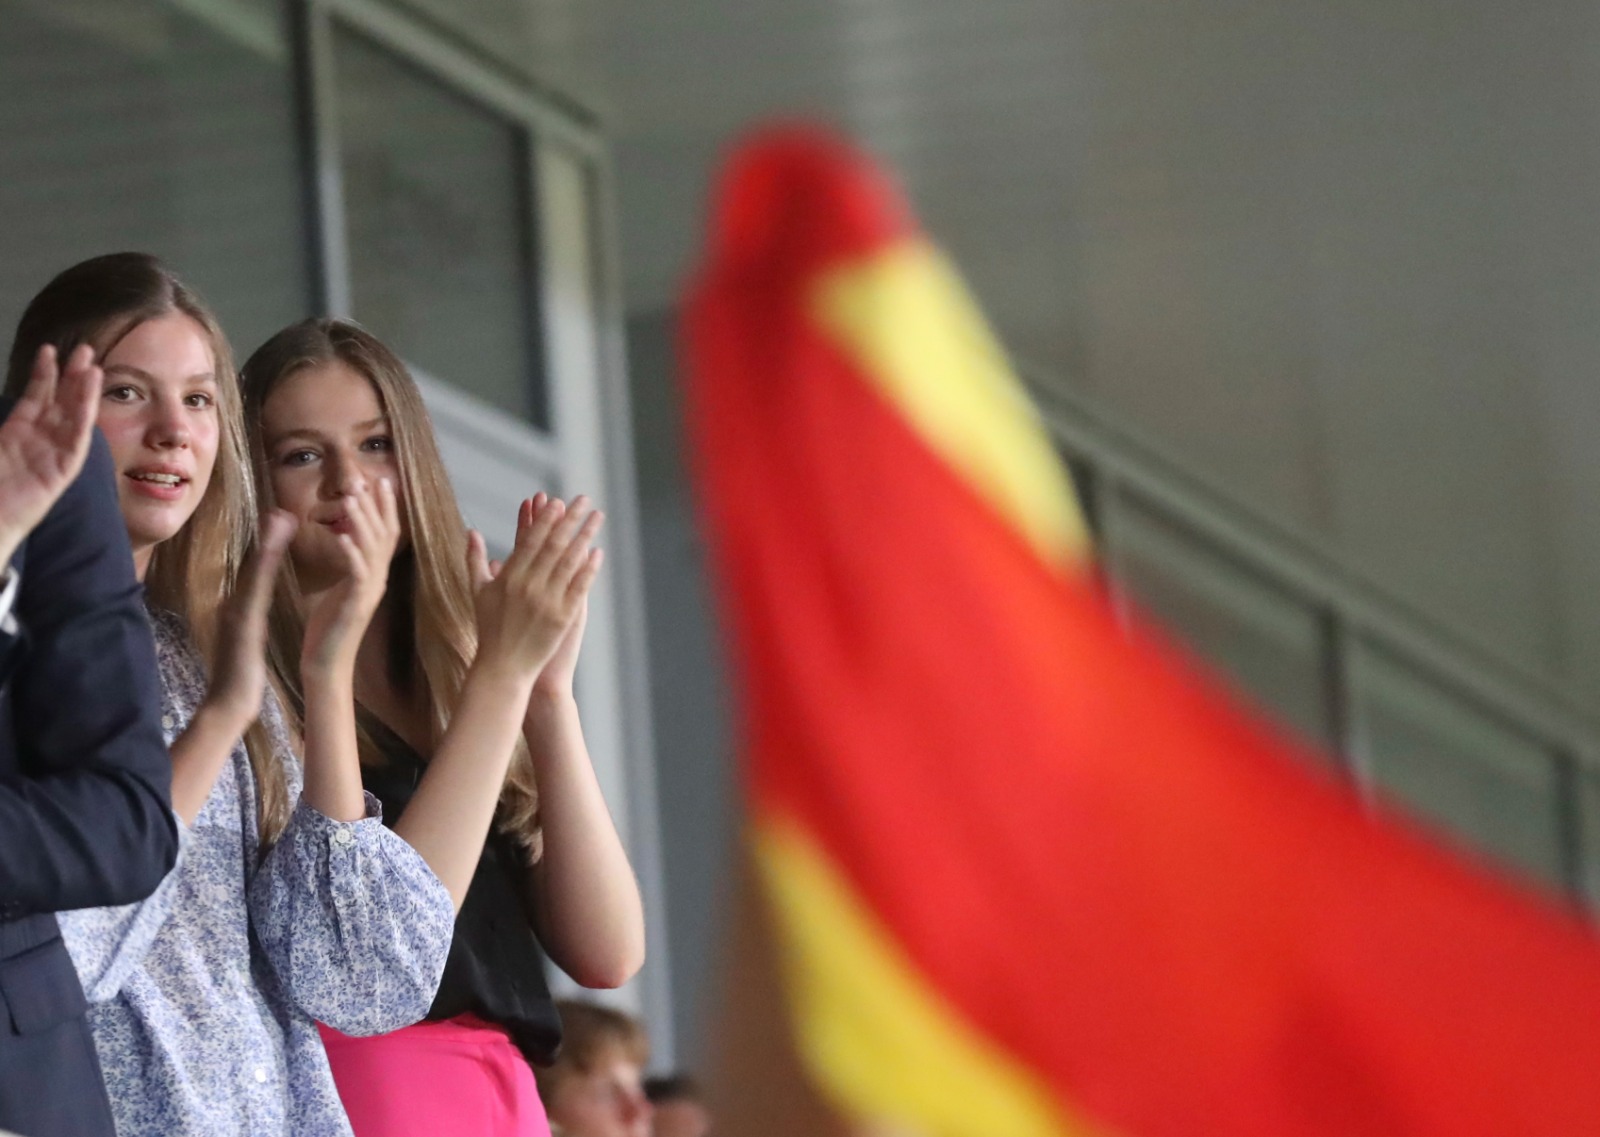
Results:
x,y
494,459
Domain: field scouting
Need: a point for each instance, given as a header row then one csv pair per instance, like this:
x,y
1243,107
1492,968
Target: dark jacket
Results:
x,y
85,789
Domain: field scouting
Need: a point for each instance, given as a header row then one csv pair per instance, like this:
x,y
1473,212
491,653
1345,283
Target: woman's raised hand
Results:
x,y
528,607
238,667
338,618
44,441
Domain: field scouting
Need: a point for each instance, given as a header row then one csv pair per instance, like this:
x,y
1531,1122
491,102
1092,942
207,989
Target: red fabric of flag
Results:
x,y
1081,853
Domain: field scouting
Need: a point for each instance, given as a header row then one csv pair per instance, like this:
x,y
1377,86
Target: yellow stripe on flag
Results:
x,y
907,319
877,1038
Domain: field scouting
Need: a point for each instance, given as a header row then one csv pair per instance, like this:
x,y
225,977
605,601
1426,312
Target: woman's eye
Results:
x,y
381,444
200,399
122,393
297,458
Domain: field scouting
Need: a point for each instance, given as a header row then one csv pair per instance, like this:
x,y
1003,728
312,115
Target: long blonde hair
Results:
x,y
433,629
98,302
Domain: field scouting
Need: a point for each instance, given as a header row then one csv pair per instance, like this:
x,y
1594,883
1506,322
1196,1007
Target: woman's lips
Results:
x,y
160,485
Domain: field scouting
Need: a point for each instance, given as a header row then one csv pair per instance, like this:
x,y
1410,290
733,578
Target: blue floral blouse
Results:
x,y
206,995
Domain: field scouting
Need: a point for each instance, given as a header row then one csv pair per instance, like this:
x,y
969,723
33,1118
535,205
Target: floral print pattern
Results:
x,y
206,995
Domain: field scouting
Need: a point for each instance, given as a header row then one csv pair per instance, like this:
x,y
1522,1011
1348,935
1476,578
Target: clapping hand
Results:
x,y
530,609
238,668
339,617
44,441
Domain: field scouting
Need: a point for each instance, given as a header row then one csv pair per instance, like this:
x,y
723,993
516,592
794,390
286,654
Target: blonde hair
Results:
x,y
433,630
98,302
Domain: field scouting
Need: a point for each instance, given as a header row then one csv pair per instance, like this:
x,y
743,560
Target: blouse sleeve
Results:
x,y
351,919
108,944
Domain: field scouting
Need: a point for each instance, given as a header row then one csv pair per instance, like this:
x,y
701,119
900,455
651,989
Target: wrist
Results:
x,y
325,679
502,680
550,701
224,715
551,685
328,665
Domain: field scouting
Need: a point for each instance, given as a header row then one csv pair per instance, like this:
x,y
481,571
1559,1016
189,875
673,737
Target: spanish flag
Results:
x,y
1029,875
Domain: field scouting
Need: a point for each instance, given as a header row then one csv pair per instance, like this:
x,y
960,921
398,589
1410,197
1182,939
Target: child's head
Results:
x,y
328,405
680,1109
170,411
595,1087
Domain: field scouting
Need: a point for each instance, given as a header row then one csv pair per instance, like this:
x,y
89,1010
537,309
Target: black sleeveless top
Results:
x,y
496,966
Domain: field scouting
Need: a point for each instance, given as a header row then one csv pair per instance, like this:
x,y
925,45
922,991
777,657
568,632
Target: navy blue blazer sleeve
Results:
x,y
85,778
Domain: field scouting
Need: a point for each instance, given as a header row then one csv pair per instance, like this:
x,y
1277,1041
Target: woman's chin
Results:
x,y
152,523
149,537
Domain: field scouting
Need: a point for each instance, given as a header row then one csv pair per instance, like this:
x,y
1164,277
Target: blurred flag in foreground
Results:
x,y
1026,874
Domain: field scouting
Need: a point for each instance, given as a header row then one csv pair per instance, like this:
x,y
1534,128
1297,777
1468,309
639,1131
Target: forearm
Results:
x,y
198,755
448,817
587,899
332,759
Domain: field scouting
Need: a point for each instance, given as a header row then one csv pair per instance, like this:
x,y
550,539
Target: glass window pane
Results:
x,y
1494,787
436,194
1268,643
141,124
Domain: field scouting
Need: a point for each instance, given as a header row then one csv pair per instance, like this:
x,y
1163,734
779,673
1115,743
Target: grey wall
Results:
x,y
687,687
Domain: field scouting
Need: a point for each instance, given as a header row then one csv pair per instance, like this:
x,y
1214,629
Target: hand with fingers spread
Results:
x,y
369,532
44,441
527,609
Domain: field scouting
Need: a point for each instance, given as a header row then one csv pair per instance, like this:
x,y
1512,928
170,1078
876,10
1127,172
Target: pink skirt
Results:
x,y
459,1078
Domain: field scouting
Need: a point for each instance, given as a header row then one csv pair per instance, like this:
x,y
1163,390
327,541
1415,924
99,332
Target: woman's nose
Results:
x,y
169,429
343,477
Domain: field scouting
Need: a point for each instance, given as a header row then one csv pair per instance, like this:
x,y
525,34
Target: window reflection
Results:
x,y
437,201
165,128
